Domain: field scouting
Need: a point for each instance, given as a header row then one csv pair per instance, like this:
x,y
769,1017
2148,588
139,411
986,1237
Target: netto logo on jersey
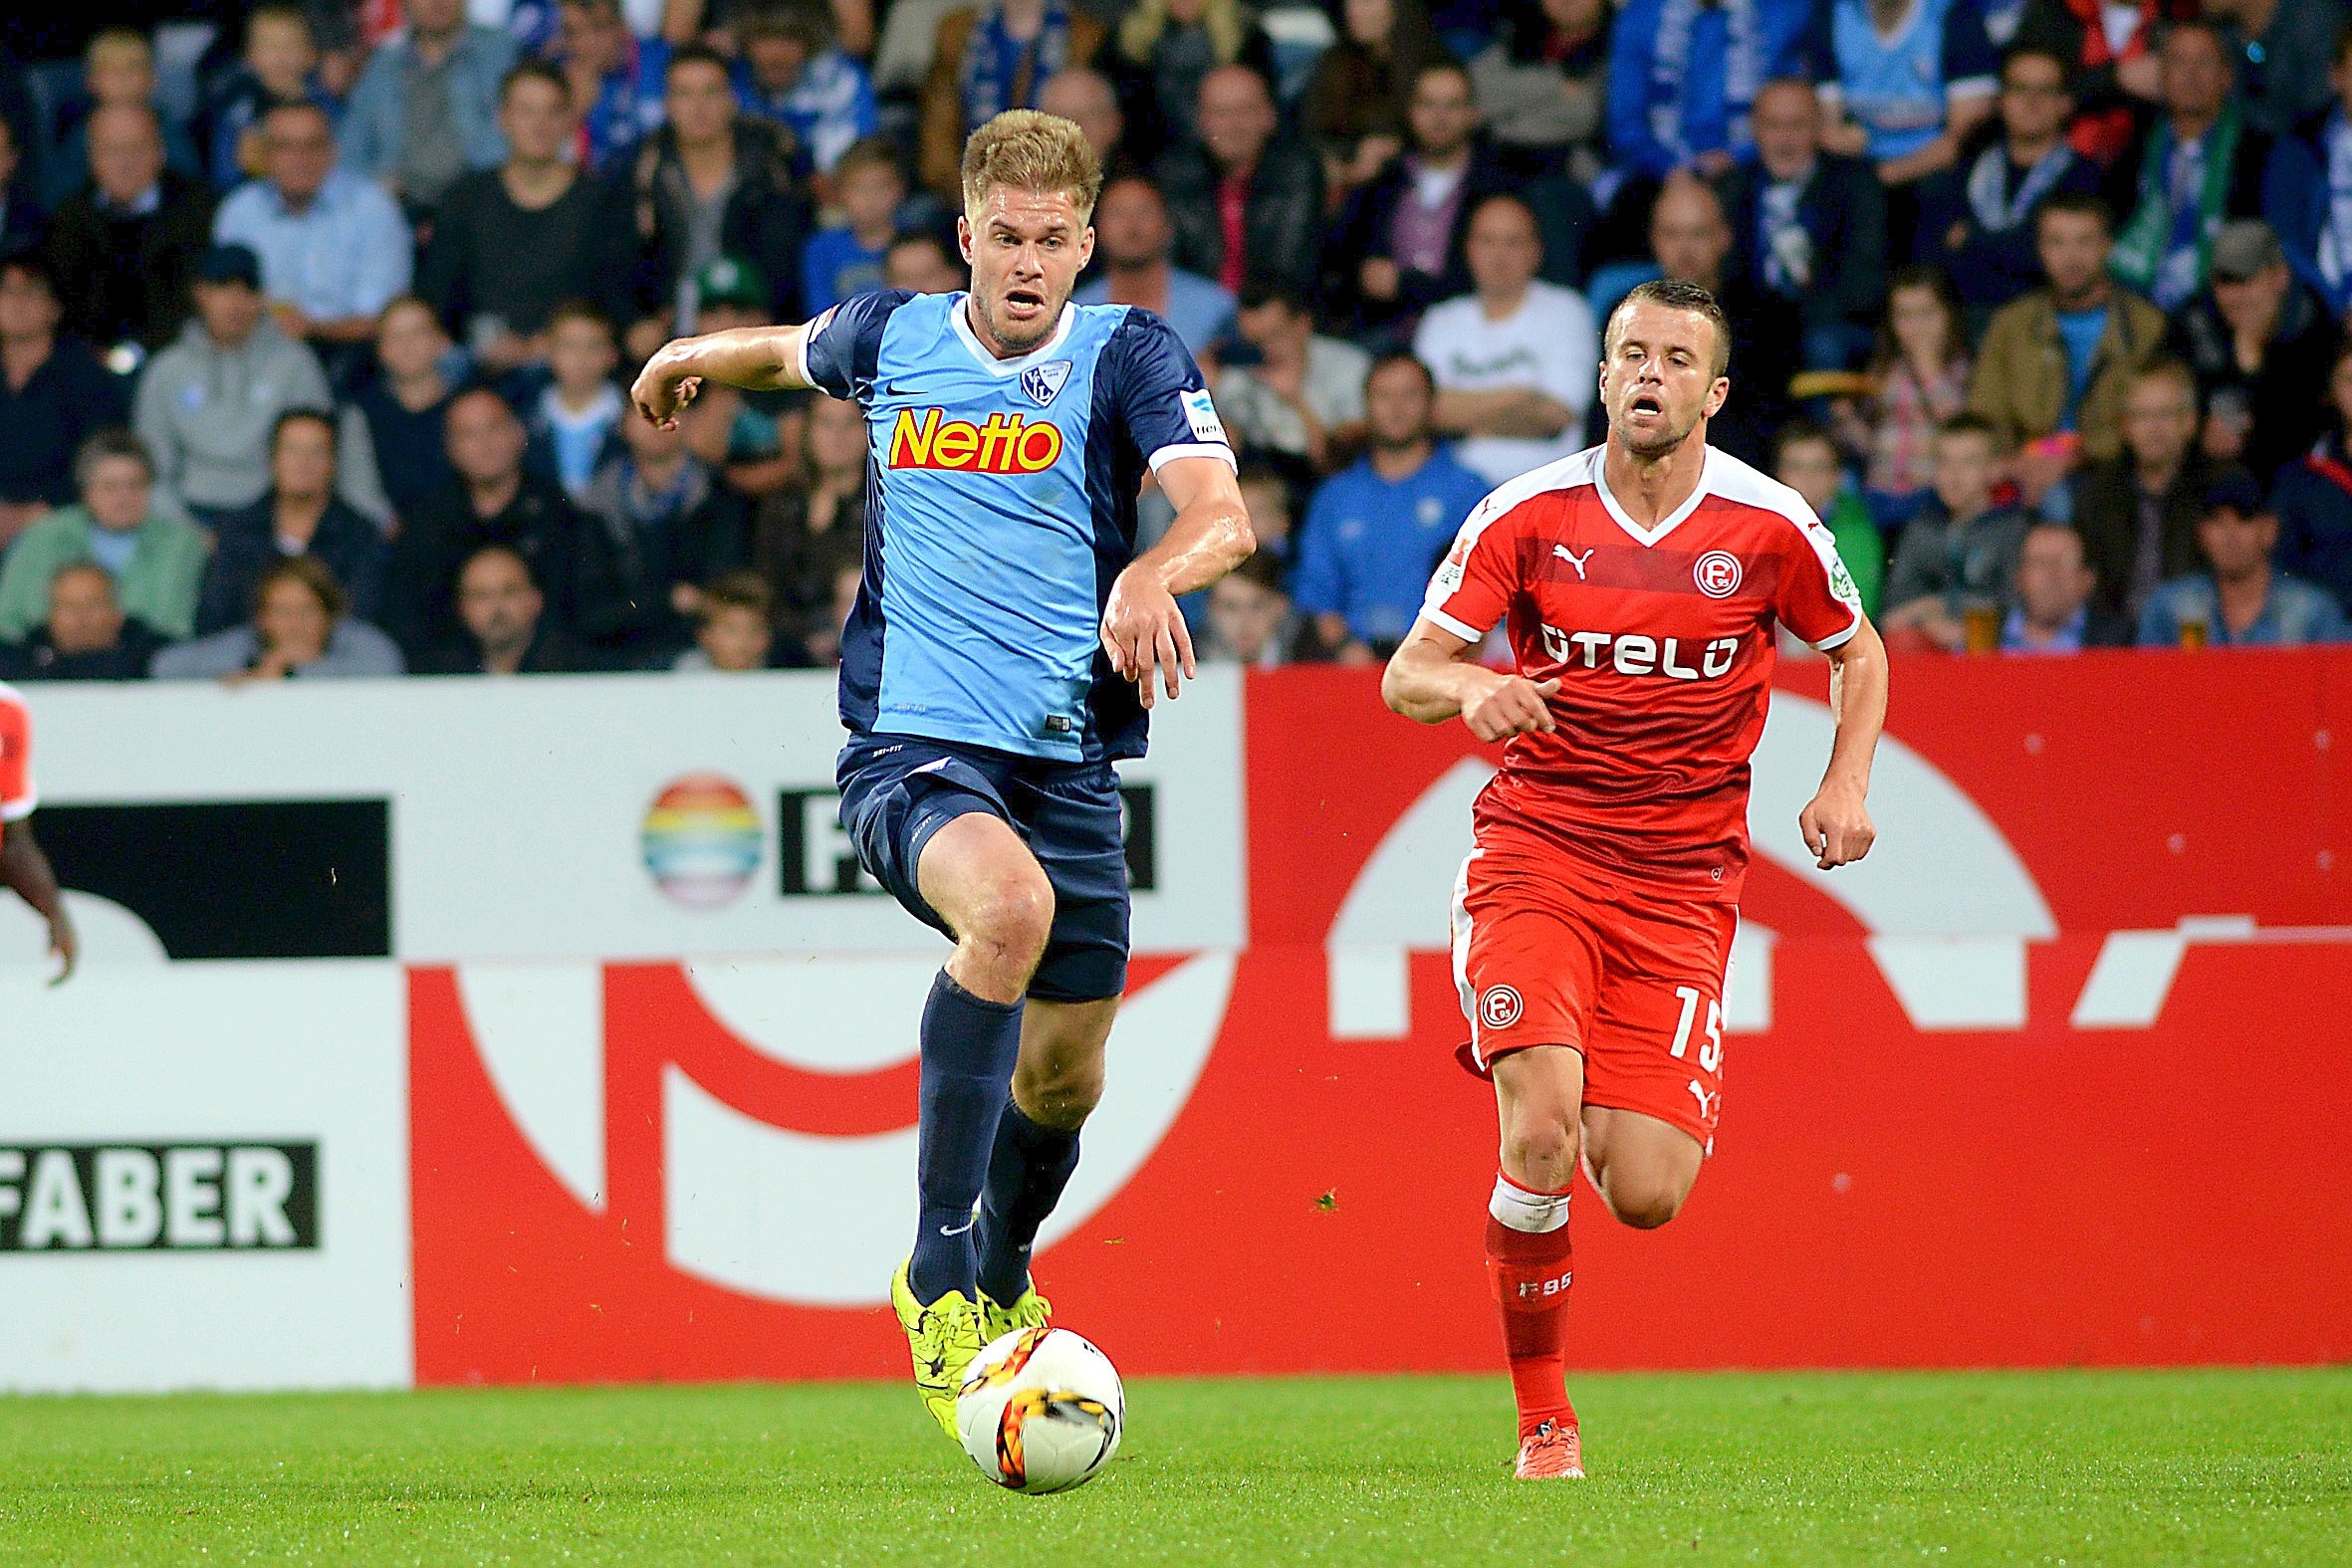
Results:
x,y
1006,444
1631,653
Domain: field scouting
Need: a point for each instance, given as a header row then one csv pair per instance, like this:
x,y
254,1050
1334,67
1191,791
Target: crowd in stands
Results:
x,y
316,316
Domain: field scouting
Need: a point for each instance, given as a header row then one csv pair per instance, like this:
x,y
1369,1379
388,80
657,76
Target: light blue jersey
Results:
x,y
1001,507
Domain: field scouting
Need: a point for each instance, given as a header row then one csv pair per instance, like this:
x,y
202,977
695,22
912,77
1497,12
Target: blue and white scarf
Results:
x,y
2335,235
1998,210
1744,67
1002,73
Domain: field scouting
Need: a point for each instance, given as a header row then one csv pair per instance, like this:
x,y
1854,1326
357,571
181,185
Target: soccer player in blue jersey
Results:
x,y
1005,648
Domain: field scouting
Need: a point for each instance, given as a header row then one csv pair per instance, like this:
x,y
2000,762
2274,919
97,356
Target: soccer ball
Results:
x,y
1041,1410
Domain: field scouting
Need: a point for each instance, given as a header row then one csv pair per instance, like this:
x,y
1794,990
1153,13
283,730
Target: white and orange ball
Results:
x,y
1041,1410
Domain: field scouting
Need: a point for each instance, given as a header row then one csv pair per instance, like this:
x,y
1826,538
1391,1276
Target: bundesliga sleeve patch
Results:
x,y
1201,413
1841,582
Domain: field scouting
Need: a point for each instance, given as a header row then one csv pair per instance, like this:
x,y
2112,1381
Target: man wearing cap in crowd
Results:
x,y
2260,342
208,402
2240,600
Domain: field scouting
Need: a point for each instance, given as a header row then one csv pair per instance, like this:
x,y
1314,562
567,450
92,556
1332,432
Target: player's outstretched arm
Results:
x,y
1837,822
756,358
1435,675
26,869
1143,630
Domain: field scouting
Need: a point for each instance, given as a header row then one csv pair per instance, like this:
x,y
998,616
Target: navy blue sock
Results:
x,y
969,1046
1025,1175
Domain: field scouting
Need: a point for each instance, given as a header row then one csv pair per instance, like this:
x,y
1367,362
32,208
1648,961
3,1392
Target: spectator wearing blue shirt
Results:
x,y
333,249
1374,531
1682,74
847,260
571,425
791,73
2314,497
425,109
616,80
1132,237
2241,599
1911,91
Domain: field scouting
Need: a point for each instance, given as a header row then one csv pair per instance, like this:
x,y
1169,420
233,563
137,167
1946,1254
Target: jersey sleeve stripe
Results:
x,y
1438,617
1842,639
1216,449
21,808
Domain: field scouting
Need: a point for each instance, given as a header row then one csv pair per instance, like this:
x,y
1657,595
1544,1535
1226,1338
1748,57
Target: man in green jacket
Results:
x,y
156,561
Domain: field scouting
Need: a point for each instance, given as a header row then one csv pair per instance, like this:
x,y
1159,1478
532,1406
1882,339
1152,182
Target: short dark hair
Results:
x,y
742,588
1972,423
113,442
314,574
876,152
1262,568
1801,432
2207,25
535,71
1381,362
1674,294
1260,290
1258,473
2076,203
696,54
296,416
809,26
508,550
2019,52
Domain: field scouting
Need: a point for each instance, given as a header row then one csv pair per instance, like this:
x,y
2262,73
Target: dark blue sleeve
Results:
x,y
1159,393
846,341
1968,55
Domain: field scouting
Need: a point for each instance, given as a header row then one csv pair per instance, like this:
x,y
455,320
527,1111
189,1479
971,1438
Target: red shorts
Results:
x,y
1634,985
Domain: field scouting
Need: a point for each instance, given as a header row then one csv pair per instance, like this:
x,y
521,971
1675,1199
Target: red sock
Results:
x,y
1527,1267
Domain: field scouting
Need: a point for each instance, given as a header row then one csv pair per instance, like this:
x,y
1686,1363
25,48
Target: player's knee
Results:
x,y
1010,925
1645,1206
1539,1151
1059,1094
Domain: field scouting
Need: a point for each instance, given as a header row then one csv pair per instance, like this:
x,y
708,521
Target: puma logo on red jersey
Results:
x,y
1631,653
1572,559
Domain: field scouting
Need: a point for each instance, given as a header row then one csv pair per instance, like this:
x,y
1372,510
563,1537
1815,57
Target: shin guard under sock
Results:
x,y
1527,1267
969,1046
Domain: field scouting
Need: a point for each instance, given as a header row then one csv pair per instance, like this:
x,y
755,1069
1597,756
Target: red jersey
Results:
x,y
17,798
1662,640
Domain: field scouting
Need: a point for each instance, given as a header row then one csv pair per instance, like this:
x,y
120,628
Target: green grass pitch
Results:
x,y
1960,1467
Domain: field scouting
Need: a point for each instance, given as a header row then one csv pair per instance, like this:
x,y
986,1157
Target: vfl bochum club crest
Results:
x,y
1043,381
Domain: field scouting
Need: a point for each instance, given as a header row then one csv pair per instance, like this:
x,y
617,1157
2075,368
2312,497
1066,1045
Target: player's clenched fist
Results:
x,y
1836,826
1513,705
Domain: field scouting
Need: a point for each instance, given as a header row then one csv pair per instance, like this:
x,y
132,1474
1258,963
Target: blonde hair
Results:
x,y
1220,18
1028,150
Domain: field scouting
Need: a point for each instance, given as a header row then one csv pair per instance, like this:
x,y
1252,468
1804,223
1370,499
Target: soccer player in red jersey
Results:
x,y
23,867
1641,583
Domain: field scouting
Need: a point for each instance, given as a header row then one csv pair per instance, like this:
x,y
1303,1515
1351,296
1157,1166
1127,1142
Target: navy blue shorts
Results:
x,y
899,789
